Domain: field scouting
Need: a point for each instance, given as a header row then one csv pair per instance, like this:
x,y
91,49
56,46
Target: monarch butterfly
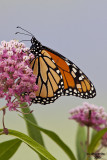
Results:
x,y
56,75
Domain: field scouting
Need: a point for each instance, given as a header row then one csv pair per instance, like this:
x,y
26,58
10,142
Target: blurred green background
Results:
x,y
78,30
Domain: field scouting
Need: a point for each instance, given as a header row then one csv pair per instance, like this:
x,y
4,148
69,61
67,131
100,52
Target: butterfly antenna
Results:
x,y
22,33
25,30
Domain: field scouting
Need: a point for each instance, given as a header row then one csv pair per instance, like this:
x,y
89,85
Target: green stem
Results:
x,y
3,108
88,132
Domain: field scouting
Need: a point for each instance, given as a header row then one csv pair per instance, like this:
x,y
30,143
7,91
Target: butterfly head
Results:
x,y
36,47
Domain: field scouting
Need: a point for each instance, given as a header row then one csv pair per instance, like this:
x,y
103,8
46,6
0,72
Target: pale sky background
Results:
x,y
78,30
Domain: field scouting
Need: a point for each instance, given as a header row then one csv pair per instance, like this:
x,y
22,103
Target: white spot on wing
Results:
x,y
74,70
80,78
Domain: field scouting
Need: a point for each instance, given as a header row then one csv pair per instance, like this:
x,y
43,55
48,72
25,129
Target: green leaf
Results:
x,y
32,143
56,139
8,148
96,139
93,133
80,142
92,136
32,131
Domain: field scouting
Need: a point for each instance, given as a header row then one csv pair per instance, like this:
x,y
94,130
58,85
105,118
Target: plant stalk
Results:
x,y
88,132
3,108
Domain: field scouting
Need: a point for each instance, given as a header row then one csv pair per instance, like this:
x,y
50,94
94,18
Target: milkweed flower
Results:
x,y
17,82
89,115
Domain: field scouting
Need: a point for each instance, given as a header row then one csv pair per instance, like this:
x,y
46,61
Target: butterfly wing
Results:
x,y
56,76
49,79
75,81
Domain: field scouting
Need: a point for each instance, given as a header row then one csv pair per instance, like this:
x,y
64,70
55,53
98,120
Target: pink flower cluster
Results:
x,y
17,82
90,115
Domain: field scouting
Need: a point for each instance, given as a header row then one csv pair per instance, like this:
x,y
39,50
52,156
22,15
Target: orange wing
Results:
x,y
49,79
58,76
75,81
